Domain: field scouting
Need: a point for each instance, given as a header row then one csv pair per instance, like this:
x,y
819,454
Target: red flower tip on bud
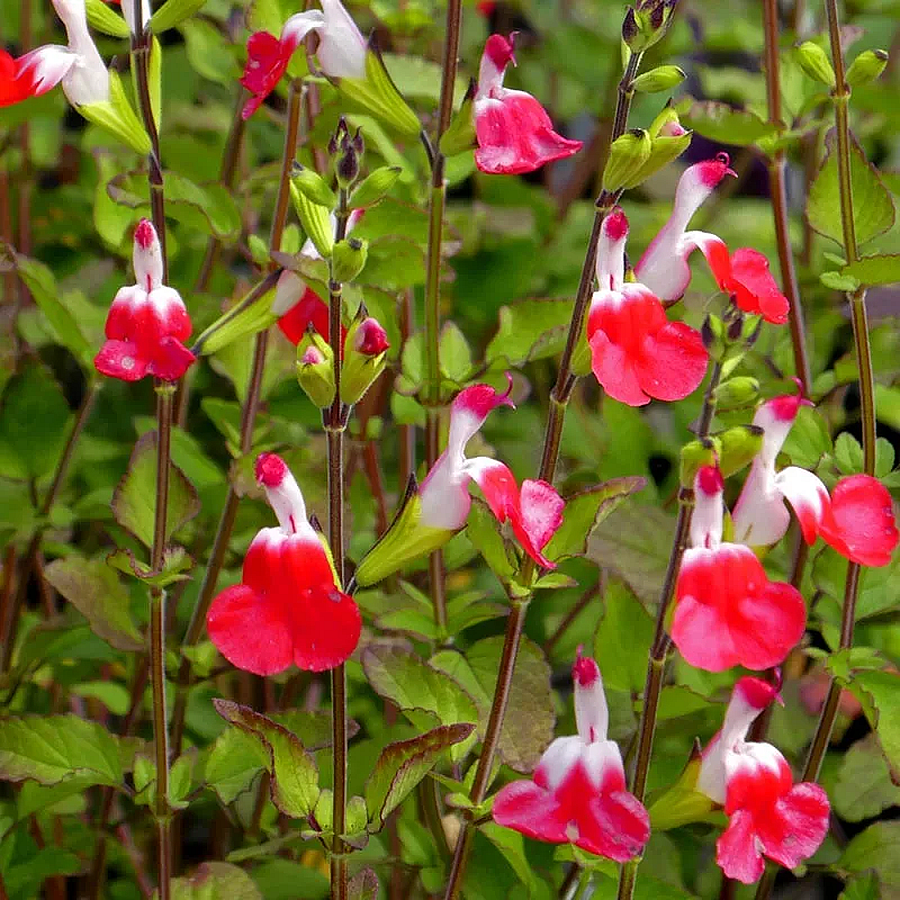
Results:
x,y
672,129
144,234
371,338
486,7
757,692
271,469
710,481
500,50
615,225
312,357
585,672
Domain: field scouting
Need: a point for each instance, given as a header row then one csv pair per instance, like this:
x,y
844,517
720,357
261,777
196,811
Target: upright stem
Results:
x,y
335,421
779,198
436,204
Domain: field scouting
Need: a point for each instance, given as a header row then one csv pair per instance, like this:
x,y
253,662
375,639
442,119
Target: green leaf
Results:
x,y
134,499
209,208
215,881
864,788
532,329
234,761
835,281
484,531
172,12
511,845
53,749
455,354
95,590
873,208
865,887
721,122
623,639
402,765
25,876
585,511
808,440
878,848
879,693
34,419
882,268
295,778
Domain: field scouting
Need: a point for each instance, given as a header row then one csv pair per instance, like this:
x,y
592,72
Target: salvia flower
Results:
x,y
744,275
78,66
636,352
857,519
577,794
288,608
513,131
341,51
768,815
147,322
727,612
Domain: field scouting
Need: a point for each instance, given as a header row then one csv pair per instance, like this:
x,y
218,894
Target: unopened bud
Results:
x,y
866,67
672,129
694,456
460,135
814,62
627,155
370,338
374,187
737,447
647,23
712,332
365,348
737,393
735,328
348,258
313,186
315,368
315,219
662,78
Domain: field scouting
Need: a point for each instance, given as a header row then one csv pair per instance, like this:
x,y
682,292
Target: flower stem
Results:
x,y
779,198
514,625
436,204
335,422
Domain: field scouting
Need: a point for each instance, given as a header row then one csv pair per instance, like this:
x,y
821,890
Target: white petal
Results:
x,y
342,48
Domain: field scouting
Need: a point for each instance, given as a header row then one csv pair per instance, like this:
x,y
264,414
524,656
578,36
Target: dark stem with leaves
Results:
x,y
857,300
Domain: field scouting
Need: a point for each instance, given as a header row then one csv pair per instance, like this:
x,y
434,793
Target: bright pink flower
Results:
x,y
636,352
578,792
514,132
534,513
857,519
79,66
727,612
147,322
743,275
341,52
768,815
371,338
288,607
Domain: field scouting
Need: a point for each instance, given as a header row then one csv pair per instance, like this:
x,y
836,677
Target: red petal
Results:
x,y
121,359
267,60
309,309
13,89
796,827
736,851
515,135
171,360
541,513
753,287
614,371
767,625
531,810
674,362
614,825
860,524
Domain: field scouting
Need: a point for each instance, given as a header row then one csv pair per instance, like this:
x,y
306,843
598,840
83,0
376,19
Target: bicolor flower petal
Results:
x,y
727,612
147,322
743,275
341,51
578,794
857,519
288,608
33,74
637,354
768,815
513,131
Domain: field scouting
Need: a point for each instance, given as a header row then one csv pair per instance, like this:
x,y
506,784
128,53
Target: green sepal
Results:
x,y
117,116
682,803
315,220
155,80
101,18
815,64
172,12
406,539
627,155
646,23
663,150
379,95
694,455
247,317
867,67
373,188
668,115
348,259
662,78
737,447
313,186
316,378
737,393
460,134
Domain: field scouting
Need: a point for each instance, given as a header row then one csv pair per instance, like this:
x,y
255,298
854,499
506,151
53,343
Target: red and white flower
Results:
x,y
727,612
341,51
768,815
513,131
857,519
534,513
744,275
78,67
288,608
637,354
578,792
147,322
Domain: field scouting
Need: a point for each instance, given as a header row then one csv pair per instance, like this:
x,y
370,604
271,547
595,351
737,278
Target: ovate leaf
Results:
x,y
532,329
864,788
879,693
879,269
725,124
235,760
623,639
878,848
216,881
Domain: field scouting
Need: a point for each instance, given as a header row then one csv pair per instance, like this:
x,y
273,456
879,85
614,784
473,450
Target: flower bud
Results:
x,y
348,258
737,447
374,187
666,123
815,63
627,155
737,393
315,368
866,67
662,78
694,456
714,338
365,348
647,23
312,186
315,219
460,135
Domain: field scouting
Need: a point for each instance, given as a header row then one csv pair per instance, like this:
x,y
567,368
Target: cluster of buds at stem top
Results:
x,y
347,150
646,23
728,337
